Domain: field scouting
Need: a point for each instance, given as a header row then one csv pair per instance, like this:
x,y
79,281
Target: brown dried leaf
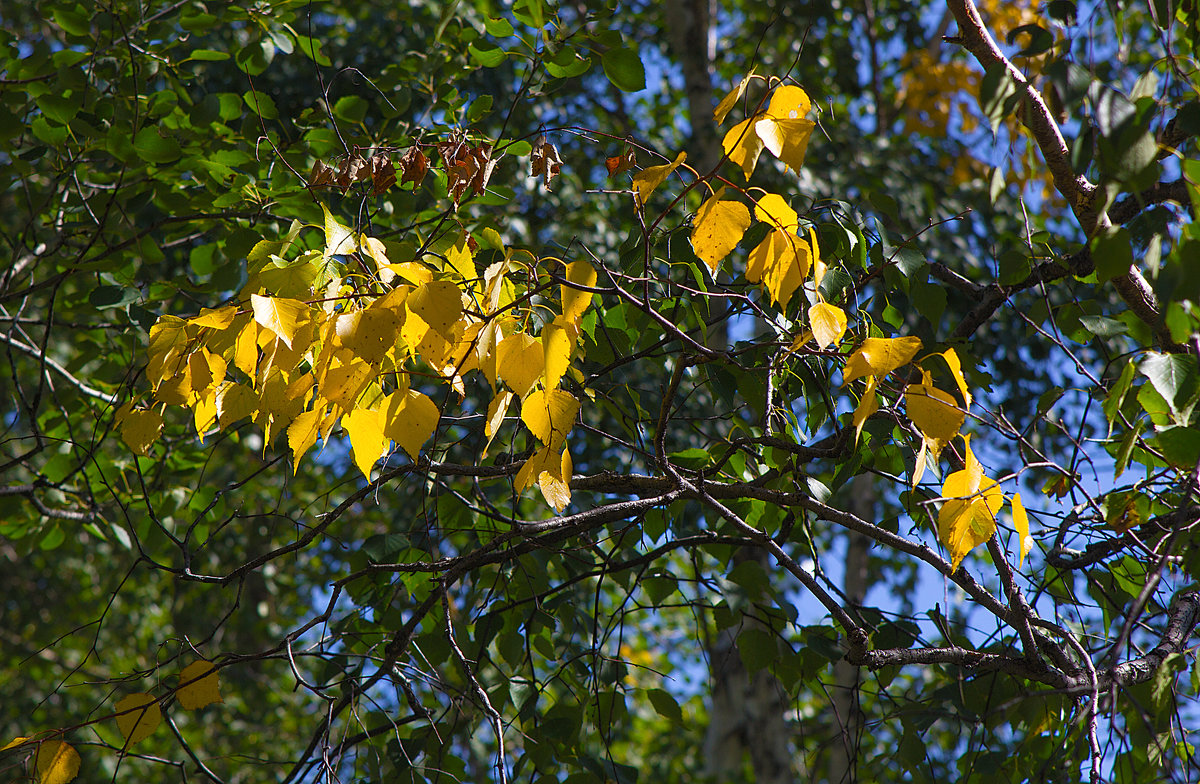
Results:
x,y
544,162
414,165
619,164
383,173
322,175
353,169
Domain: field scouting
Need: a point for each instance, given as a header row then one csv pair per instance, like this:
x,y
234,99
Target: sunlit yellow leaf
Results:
x,y
786,139
214,319
57,762
410,418
245,348
17,741
828,323
731,98
377,252
789,102
439,304
880,356
557,345
339,239
541,461
772,208
235,401
967,518
168,340
138,715
867,406
302,434
520,361
743,146
550,414
372,332
283,317
952,361
556,484
819,266
935,413
497,409
204,411
718,228
1021,523
367,441
345,382
574,301
140,429
645,181
780,262
199,685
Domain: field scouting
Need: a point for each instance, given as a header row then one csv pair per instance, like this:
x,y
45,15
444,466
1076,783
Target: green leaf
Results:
x,y
486,53
1112,403
1180,446
758,649
1174,377
153,147
1103,327
1112,253
624,69
208,55
665,705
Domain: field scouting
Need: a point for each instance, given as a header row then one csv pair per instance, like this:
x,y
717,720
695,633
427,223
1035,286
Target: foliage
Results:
x,y
361,425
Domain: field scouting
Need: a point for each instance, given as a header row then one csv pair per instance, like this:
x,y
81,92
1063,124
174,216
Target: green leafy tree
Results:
x,y
456,392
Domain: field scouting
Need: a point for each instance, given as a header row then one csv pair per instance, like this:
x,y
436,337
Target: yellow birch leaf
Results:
x,y
245,349
220,318
377,252
921,463
302,434
339,239
574,301
439,304
880,356
539,462
498,290
772,208
645,181
199,685
20,740
168,339
497,409
276,407
780,262
487,345
935,413
967,518
204,411
742,145
281,316
800,340
414,272
789,102
556,484
138,715
1021,523
718,228
461,261
344,383
550,414
367,441
731,98
867,406
952,361
557,345
372,332
140,429
57,762
828,323
410,418
235,401
520,361
786,139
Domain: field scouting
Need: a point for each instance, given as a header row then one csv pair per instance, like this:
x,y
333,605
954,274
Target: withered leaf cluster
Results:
x,y
544,161
468,168
377,170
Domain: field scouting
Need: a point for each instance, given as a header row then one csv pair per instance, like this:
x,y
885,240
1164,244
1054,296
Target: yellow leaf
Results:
x,y
557,345
372,332
199,685
204,411
339,239
461,261
743,146
867,406
410,418
789,102
245,348
497,409
1021,523
283,317
140,429
828,323
302,434
730,100
550,415
935,413
439,304
780,262
719,227
541,461
137,716
345,382
819,267
951,357
556,484
645,181
786,139
57,762
235,401
367,441
967,518
219,318
520,361
772,209
574,301
20,740
168,339
880,356
377,252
